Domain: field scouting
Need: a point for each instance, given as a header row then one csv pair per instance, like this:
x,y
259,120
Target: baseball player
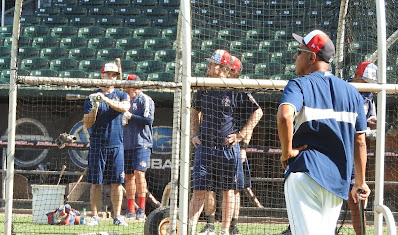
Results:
x,y
321,125
103,113
210,205
137,147
217,164
366,72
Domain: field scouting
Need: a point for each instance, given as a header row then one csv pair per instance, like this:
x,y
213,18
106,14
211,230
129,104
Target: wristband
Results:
x,y
243,145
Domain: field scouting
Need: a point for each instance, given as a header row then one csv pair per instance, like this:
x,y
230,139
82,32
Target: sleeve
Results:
x,y
372,110
87,106
148,107
197,102
124,96
360,124
293,95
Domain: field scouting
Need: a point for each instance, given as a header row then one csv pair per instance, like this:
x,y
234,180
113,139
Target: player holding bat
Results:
x,y
321,126
103,113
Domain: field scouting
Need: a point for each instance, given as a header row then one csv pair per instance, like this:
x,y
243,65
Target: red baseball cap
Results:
x,y
318,42
220,57
236,64
133,77
368,72
110,67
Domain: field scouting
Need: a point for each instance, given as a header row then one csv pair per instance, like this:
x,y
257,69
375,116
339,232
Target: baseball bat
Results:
x,y
77,182
361,209
76,97
62,172
119,65
250,192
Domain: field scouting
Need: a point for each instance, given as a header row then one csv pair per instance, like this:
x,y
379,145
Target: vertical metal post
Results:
x,y
340,38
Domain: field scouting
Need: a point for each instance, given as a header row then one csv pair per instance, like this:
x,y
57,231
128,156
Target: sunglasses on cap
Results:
x,y
299,50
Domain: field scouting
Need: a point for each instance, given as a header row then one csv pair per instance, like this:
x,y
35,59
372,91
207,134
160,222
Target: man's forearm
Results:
x,y
247,130
120,106
90,118
195,117
285,117
360,158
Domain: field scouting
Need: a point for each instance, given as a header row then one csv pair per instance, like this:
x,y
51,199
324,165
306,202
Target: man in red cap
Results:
x,y
321,127
137,132
217,164
103,113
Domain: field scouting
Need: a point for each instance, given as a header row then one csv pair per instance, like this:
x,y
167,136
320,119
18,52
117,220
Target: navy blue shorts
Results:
x,y
246,175
136,159
106,163
217,168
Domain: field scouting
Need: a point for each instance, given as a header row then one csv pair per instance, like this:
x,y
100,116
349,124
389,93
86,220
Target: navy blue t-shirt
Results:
x,y
221,111
328,113
107,130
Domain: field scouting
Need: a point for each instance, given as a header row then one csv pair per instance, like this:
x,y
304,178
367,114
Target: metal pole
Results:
x,y
12,116
340,38
3,6
381,112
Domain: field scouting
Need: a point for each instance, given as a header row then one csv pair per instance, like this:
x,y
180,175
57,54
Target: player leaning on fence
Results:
x,y
217,164
103,113
321,125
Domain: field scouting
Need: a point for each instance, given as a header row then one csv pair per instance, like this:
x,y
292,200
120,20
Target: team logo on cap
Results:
x,y
220,57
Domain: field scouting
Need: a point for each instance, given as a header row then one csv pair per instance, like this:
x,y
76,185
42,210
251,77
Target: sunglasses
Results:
x,y
299,50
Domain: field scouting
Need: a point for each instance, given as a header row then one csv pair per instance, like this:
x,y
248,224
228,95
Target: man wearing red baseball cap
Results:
x,y
321,126
137,148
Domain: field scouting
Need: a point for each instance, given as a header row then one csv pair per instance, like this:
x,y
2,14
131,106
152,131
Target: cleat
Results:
x,y
94,221
208,229
119,220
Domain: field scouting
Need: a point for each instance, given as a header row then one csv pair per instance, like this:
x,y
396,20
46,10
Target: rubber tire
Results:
x,y
157,222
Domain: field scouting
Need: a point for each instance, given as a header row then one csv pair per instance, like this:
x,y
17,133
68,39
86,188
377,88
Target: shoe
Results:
x,y
94,221
119,220
234,231
208,229
140,214
223,233
287,232
130,215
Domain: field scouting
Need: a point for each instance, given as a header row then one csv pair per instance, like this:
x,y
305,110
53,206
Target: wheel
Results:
x,y
157,222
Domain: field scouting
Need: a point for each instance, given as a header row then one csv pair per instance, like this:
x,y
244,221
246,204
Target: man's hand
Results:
x,y
233,139
195,141
94,100
365,192
243,155
291,154
126,117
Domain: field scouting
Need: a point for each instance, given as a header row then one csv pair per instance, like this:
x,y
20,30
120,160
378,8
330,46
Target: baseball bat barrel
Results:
x,y
62,172
75,97
77,183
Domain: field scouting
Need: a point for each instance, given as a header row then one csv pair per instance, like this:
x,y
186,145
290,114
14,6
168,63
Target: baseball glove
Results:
x,y
64,139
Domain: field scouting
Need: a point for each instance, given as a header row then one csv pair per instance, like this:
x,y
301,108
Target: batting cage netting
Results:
x,y
65,48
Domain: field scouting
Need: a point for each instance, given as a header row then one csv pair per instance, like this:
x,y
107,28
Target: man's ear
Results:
x,y
313,58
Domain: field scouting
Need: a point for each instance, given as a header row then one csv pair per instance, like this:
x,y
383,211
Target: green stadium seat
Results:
x,y
129,43
5,51
147,32
48,11
119,32
82,53
73,74
244,45
64,64
44,73
200,69
214,44
110,22
170,67
256,57
46,41
128,65
144,3
2,41
94,75
293,45
290,69
155,12
283,34
35,63
64,31
260,34
170,33
167,55
140,54
23,72
117,3
28,52
231,34
272,45
5,63
36,31
22,42
354,58
52,21
101,12
128,12
30,20
198,56
158,44
252,4
204,33
162,76
164,22
269,69
362,47
101,42
91,65
6,31
82,21
110,53
169,3
74,11
73,42
91,3
137,21
150,66
64,3
54,53
92,31
173,11
282,77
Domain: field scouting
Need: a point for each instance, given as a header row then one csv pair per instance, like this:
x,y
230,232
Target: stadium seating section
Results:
x,y
75,37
